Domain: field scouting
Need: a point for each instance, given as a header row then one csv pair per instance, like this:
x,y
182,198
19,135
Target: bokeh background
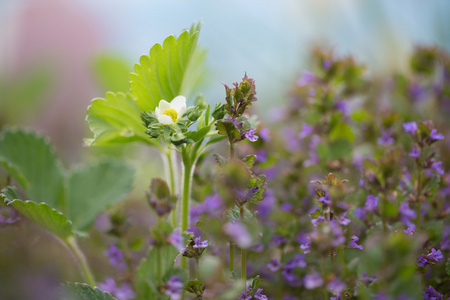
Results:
x,y
57,55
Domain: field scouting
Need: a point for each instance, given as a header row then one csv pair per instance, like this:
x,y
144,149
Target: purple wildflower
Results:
x,y
306,131
336,286
325,199
289,276
445,243
239,234
320,219
338,235
176,239
434,136
414,153
326,64
421,260
437,167
407,214
259,296
436,255
353,243
312,281
342,106
343,220
365,277
278,239
416,91
371,203
386,139
338,297
360,213
274,265
250,136
410,127
298,261
174,287
115,257
409,231
124,292
431,294
264,133
306,78
11,219
199,243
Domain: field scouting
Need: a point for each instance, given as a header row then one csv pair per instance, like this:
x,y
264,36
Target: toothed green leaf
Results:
x,y
83,291
92,188
30,160
42,214
168,71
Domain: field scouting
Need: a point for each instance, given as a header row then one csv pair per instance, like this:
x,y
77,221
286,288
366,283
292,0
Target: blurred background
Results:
x,y
57,55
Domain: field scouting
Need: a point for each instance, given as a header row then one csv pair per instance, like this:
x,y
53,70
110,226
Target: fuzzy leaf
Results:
x,y
42,214
92,188
259,182
32,163
83,291
116,119
168,71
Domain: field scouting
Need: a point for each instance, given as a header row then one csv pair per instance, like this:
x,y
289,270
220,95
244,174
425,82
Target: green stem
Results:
x,y
243,254
197,263
419,202
71,242
231,150
188,172
171,179
231,258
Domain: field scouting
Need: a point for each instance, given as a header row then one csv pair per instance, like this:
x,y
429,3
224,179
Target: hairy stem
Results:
x,y
243,254
71,242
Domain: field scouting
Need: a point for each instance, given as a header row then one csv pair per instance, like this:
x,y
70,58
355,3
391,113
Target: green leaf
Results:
x,y
116,119
32,163
168,71
42,214
92,188
198,135
229,129
111,73
83,291
259,182
342,131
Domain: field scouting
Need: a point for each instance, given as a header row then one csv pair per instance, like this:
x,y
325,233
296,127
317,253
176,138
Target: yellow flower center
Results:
x,y
171,113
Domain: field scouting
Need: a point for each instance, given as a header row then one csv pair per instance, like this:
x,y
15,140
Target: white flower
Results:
x,y
169,113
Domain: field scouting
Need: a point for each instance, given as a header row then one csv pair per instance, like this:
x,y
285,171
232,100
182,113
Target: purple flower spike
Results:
x,y
199,243
410,127
315,222
259,296
414,153
343,220
421,260
250,136
409,231
436,255
312,281
353,243
434,136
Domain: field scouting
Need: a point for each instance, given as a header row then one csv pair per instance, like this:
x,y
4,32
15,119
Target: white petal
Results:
x,y
181,111
157,112
166,120
163,105
178,102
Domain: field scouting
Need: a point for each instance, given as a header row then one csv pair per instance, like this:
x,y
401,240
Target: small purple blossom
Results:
x,y
12,218
312,281
174,287
278,239
325,199
259,296
116,257
199,243
421,260
436,255
416,91
437,167
264,133
305,247
298,261
343,220
239,234
124,292
414,153
371,203
319,219
360,213
410,127
431,294
274,265
353,243
434,136
306,78
409,231
336,286
250,136
176,239
306,131
386,139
